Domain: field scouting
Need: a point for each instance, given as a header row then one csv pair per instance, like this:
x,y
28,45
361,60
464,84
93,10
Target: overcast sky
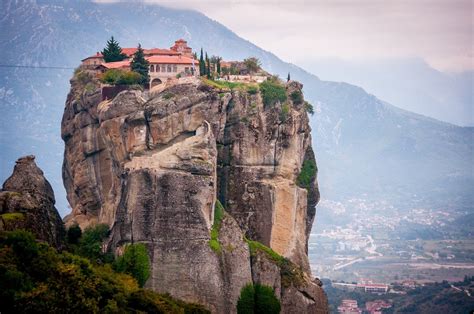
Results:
x,y
438,31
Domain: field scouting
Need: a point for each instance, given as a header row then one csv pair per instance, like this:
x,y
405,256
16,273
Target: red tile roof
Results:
x,y
116,65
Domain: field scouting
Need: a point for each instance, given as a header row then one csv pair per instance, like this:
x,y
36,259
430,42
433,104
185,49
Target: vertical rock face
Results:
x,y
27,202
152,164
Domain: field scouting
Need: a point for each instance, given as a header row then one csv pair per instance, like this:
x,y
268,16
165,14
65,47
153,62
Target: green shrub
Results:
x,y
272,92
168,96
135,262
285,109
297,97
265,300
246,302
224,84
12,216
218,216
35,278
307,174
90,245
121,77
309,108
74,233
83,76
291,274
258,299
252,89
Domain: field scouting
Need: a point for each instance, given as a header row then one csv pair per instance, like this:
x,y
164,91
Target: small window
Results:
x,y
157,68
169,68
152,68
186,70
175,68
163,68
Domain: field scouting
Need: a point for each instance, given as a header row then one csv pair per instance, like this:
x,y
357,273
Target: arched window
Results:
x,y
157,68
169,68
152,68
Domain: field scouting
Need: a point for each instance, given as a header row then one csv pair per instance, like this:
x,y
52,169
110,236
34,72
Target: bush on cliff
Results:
x,y
258,299
272,92
307,174
135,262
90,244
36,278
121,77
218,216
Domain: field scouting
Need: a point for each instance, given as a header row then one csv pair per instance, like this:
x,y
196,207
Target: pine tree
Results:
x,y
140,65
202,66
288,79
112,52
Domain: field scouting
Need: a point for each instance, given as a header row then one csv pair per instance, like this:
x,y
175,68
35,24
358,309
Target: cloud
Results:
x,y
440,32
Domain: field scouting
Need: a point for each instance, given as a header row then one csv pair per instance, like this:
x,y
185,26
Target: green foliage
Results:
x,y
285,109
307,174
74,233
252,64
83,77
121,77
297,97
9,217
35,278
246,302
112,52
224,84
308,107
290,273
218,216
168,96
140,65
252,89
258,299
135,262
90,245
272,92
202,65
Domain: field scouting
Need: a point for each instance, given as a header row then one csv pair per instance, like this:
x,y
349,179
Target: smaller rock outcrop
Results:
x,y
27,202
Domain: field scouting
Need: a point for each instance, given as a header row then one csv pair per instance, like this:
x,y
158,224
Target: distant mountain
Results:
x,y
364,146
410,84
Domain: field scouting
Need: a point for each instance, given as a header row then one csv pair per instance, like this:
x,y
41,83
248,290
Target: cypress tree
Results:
x,y
140,65
218,65
202,66
112,52
208,67
288,79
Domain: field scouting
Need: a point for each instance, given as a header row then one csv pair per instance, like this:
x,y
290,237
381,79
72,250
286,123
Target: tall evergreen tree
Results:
x,y
113,52
288,78
218,65
140,65
202,65
208,67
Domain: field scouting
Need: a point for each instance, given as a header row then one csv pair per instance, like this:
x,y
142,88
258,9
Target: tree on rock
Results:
x,y
135,262
252,64
113,52
256,299
140,65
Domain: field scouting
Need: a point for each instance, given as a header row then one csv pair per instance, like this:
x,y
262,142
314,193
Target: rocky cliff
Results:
x,y
154,165
27,202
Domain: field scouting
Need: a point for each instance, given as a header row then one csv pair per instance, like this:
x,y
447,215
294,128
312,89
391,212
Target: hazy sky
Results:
x,y
439,31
